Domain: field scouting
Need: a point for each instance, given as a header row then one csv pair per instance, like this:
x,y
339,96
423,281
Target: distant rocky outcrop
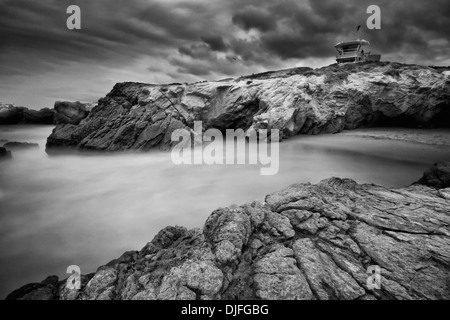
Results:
x,y
63,112
303,242
137,116
5,154
438,176
20,145
10,114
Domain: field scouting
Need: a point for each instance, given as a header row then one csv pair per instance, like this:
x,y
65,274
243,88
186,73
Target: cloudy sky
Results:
x,y
161,41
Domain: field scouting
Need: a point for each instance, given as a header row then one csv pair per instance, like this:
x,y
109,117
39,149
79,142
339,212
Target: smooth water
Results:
x,y
86,210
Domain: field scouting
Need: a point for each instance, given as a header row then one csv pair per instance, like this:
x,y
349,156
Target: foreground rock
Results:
x,y
5,154
304,242
437,176
20,145
296,101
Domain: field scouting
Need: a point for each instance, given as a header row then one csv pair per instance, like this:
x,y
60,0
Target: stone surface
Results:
x,y
71,112
10,114
63,113
45,290
303,242
138,116
437,176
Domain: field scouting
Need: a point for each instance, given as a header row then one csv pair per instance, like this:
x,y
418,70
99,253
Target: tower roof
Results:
x,y
357,41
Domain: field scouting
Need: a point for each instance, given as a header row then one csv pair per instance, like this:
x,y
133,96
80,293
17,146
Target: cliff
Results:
x,y
137,116
303,242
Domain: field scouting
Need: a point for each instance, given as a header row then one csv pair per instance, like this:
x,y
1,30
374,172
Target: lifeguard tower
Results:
x,y
355,51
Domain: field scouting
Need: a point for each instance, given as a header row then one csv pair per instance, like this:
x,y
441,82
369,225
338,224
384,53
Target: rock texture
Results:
x,y
437,176
137,116
10,114
63,112
71,112
303,242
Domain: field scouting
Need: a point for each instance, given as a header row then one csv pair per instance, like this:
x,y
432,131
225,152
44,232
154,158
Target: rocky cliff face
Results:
x,y
137,116
303,242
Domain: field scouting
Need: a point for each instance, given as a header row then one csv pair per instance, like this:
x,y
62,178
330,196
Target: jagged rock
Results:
x,y
71,112
10,114
63,113
437,176
303,242
20,145
45,290
5,154
42,116
296,101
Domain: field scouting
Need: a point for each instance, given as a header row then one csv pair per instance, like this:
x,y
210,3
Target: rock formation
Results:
x,y
437,176
10,114
5,154
71,112
20,145
137,116
303,242
63,112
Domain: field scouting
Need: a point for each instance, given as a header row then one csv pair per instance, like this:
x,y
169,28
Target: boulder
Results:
x,y
70,112
5,154
438,176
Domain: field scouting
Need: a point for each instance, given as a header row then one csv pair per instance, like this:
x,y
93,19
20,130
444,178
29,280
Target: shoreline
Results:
x,y
439,137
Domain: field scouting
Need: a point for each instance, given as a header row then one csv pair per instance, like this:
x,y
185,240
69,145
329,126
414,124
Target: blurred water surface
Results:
x,y
87,209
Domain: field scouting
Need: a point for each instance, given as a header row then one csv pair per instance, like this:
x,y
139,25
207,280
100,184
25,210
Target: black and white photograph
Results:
x,y
226,153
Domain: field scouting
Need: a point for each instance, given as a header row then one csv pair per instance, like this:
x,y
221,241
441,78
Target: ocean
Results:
x,y
86,209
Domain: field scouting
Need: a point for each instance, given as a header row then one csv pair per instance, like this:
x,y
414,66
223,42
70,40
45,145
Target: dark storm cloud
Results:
x,y
215,42
197,51
252,17
111,31
307,28
184,40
